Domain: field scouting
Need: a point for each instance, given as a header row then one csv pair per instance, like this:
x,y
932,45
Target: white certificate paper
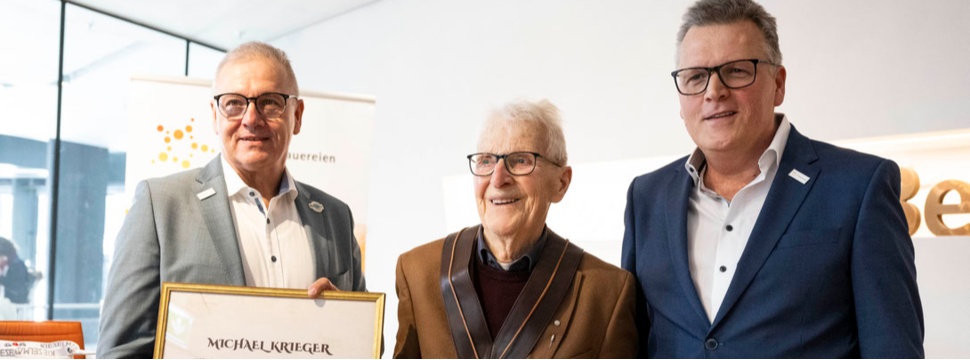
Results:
x,y
214,321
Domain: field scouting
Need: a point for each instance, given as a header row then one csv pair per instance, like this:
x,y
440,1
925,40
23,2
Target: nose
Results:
x,y
501,175
715,88
251,116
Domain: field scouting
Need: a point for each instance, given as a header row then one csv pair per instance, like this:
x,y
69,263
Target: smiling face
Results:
x,y
731,121
515,207
255,144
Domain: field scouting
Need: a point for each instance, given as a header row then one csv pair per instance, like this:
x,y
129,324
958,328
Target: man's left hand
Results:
x,y
319,286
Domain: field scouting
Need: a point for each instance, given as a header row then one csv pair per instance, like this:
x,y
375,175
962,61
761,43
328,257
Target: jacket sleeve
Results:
x,y
407,346
130,310
628,261
889,313
621,334
360,284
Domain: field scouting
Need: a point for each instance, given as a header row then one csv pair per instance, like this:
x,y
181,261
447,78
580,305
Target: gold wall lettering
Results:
x,y
934,206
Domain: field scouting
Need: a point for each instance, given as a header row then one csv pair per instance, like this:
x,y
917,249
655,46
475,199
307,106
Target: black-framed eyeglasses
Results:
x,y
517,163
734,75
270,105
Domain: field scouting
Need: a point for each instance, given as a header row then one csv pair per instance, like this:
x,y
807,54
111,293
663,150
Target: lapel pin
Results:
x,y
205,194
797,175
315,206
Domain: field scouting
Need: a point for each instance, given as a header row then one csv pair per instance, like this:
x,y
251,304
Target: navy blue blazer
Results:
x,y
828,271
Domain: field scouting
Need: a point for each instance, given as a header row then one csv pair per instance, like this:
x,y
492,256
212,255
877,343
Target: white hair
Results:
x,y
541,117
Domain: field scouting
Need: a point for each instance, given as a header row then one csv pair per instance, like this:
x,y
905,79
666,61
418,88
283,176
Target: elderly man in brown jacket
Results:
x,y
511,287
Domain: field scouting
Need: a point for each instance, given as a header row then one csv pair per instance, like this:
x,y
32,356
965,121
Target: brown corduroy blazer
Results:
x,y
595,320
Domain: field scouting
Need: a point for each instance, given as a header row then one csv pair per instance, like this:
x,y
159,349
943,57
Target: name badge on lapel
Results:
x,y
205,194
797,175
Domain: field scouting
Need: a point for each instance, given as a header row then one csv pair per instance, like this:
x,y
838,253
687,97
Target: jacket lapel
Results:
x,y
782,203
677,201
551,338
464,311
315,220
543,294
214,201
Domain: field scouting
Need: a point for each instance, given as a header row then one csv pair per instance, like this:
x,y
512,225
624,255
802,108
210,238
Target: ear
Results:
x,y
298,117
215,116
780,85
563,182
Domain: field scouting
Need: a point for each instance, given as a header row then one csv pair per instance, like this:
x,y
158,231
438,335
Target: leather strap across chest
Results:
x,y
532,311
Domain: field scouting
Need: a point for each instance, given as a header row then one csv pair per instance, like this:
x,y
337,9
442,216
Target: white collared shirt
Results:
x,y
718,229
273,244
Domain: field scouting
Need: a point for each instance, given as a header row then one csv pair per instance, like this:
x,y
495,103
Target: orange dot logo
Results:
x,y
175,148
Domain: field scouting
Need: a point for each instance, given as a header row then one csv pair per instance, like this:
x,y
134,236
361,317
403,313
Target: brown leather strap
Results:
x,y
539,300
532,311
469,330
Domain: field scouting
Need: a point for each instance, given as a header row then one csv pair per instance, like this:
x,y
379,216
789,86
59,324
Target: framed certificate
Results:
x,y
217,321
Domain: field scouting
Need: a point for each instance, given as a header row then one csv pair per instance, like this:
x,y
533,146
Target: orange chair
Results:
x,y
43,331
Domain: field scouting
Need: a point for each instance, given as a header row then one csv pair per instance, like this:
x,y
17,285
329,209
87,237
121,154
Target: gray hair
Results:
x,y
540,117
720,12
258,50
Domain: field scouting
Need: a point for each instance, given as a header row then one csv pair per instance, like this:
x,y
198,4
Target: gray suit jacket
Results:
x,y
171,235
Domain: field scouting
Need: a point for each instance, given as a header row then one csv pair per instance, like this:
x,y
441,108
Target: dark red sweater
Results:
x,y
497,291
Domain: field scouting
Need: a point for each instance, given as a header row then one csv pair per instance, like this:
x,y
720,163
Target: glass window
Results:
x,y
29,37
101,55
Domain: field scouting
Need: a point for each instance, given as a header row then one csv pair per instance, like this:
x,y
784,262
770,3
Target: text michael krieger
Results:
x,y
269,346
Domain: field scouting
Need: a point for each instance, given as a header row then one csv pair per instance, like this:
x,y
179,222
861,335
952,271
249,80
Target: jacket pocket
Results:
x,y
810,237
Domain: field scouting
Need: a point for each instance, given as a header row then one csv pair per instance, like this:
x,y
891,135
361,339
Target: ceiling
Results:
x,y
227,23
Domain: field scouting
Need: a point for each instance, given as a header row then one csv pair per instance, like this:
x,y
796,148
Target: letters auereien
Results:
x,y
318,157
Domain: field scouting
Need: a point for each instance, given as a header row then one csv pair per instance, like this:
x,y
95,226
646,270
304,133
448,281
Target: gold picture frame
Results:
x,y
220,321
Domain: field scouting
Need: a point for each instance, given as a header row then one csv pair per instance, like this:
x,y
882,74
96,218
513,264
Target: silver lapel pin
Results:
x,y
315,206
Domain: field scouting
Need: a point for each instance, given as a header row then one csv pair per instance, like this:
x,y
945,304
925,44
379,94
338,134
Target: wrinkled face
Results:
x,y
730,120
254,143
517,204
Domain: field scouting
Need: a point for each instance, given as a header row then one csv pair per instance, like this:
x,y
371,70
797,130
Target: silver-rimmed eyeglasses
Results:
x,y
270,105
517,163
734,75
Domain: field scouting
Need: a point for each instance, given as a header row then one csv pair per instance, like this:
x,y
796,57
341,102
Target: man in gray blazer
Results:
x,y
240,220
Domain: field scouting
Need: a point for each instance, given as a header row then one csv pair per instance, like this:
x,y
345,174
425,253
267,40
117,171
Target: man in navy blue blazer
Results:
x,y
763,242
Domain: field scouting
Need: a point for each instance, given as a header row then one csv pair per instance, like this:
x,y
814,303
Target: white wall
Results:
x,y
855,69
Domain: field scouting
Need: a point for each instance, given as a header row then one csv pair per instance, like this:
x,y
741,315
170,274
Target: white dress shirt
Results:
x,y
718,230
273,244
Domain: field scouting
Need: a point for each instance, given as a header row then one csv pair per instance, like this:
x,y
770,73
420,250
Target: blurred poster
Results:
x,y
171,129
